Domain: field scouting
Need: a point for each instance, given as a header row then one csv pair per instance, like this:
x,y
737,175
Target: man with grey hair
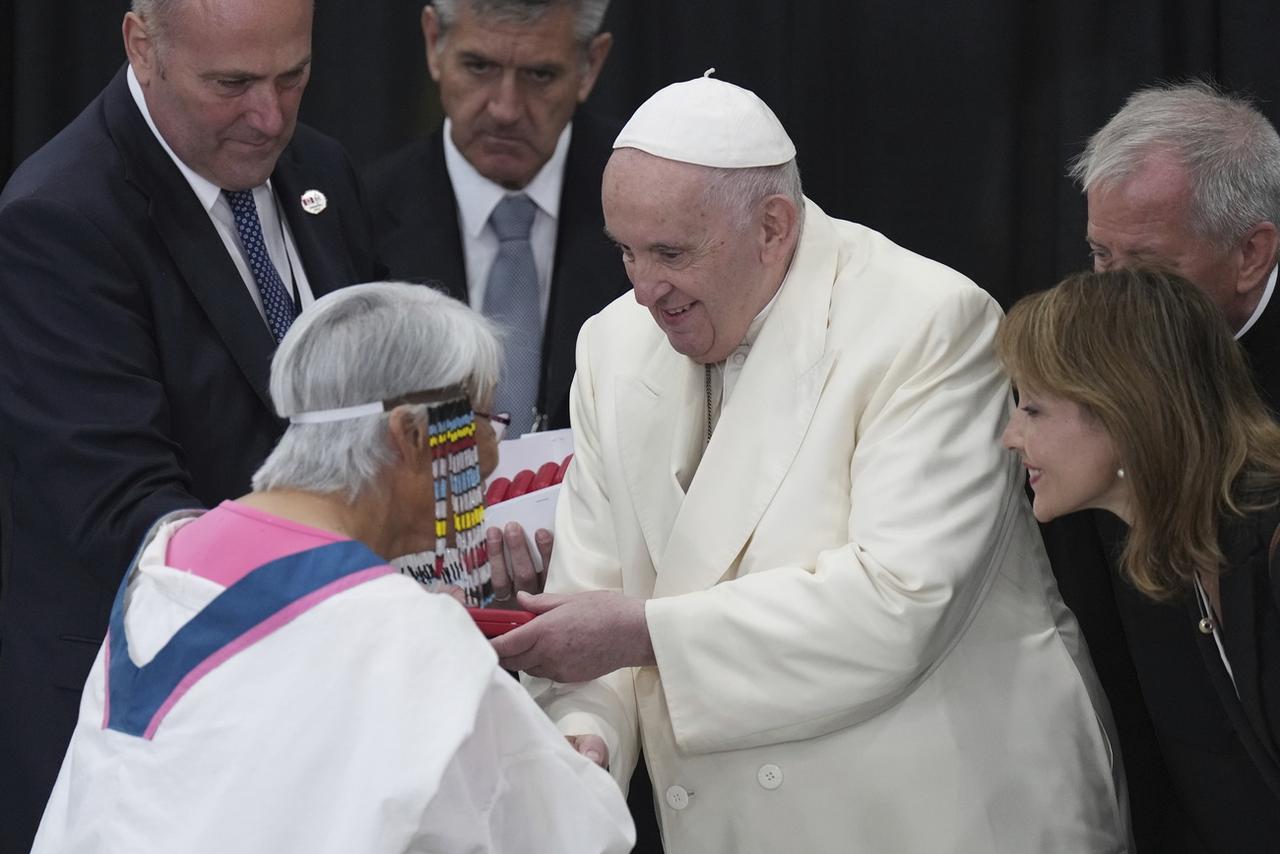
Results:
x,y
501,206
1187,178
151,256
791,559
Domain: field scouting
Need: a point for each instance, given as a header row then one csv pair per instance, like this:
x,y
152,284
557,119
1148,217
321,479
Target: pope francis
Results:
x,y
792,561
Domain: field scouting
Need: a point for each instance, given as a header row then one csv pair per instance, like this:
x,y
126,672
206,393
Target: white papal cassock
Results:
x,y
859,643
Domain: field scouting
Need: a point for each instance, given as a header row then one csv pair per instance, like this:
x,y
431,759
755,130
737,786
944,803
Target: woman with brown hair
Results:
x,y
1135,399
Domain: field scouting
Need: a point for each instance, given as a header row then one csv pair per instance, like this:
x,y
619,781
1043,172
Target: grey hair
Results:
x,y
151,8
364,344
588,15
155,14
1230,151
740,190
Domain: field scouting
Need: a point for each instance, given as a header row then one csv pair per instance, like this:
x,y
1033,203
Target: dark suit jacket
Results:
x,y
415,217
1219,749
133,375
1262,346
1191,774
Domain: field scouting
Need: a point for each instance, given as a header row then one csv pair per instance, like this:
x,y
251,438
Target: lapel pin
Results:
x,y
313,201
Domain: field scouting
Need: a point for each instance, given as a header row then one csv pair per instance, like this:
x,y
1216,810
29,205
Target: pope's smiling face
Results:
x,y
694,264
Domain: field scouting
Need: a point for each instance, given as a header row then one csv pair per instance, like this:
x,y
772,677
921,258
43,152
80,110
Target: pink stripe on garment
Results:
x,y
260,631
233,539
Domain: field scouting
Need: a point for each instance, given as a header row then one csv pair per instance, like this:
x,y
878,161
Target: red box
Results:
x,y
493,621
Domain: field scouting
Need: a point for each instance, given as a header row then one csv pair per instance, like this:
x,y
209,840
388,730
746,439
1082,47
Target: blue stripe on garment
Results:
x,y
136,693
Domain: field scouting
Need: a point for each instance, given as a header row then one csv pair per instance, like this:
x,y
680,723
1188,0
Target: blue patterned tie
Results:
x,y
277,305
511,298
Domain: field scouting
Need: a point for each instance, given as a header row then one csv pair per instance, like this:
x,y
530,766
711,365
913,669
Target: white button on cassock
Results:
x,y
769,776
677,797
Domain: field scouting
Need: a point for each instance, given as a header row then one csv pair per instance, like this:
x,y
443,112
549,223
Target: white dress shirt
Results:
x,y
275,229
477,196
724,375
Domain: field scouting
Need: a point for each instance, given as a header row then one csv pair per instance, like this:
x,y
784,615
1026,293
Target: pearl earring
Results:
x,y
1120,472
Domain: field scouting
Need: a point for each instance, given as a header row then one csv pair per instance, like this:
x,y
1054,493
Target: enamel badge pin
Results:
x,y
313,201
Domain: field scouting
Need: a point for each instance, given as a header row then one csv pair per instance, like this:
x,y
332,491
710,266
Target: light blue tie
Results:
x,y
511,299
277,305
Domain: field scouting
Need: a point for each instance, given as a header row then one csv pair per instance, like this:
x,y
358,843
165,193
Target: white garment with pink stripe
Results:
x,y
377,721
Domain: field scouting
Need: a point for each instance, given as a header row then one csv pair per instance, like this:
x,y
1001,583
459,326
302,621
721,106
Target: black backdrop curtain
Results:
x,y
947,125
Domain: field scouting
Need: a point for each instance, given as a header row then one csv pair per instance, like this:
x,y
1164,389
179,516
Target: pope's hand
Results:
x,y
592,747
577,636
513,570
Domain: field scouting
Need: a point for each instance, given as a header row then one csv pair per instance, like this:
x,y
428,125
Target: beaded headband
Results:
x,y
360,410
458,490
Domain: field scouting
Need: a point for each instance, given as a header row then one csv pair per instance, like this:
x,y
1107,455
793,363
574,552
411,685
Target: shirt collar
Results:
x,y
477,196
206,191
753,331
1262,303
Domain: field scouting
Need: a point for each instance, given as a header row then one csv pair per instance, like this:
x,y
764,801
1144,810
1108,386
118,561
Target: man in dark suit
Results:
x,y
511,76
151,255
1186,178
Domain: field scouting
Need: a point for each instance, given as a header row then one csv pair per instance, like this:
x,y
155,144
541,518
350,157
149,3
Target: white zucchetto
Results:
x,y
708,122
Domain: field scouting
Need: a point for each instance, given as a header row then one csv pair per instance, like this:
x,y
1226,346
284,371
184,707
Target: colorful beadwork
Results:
x,y
459,502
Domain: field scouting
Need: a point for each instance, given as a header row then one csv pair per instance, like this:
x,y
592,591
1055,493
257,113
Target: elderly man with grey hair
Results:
x,y
269,683
1187,178
152,255
791,558
501,205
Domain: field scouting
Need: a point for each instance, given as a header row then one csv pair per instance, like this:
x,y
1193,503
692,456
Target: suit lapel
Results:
x,y
587,272
761,428
1240,719
198,254
661,424
316,236
1240,698
1239,596
423,242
